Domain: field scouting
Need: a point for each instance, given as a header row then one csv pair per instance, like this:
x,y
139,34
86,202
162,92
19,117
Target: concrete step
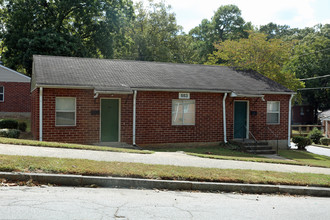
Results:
x,y
261,151
258,147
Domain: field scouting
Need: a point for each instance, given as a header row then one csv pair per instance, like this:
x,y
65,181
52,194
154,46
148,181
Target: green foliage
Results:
x,y
226,23
8,123
10,133
315,135
22,126
301,142
256,53
86,28
325,141
311,59
154,36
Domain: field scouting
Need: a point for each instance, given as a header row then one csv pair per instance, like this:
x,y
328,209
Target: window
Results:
x,y
183,112
65,111
273,112
2,93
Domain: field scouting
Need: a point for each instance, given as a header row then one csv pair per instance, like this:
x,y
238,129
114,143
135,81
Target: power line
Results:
x,y
316,77
327,87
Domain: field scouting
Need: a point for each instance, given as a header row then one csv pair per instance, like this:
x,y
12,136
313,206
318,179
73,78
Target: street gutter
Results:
x,y
136,183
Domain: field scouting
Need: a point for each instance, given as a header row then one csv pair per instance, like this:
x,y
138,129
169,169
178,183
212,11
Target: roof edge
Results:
x,y
11,70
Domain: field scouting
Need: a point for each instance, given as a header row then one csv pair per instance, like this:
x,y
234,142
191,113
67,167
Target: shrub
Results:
x,y
8,123
301,142
325,141
22,126
10,133
315,135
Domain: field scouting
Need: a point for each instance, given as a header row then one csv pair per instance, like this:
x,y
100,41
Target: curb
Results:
x,y
135,183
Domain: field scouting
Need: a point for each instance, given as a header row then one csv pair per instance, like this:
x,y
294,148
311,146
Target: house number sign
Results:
x,y
184,95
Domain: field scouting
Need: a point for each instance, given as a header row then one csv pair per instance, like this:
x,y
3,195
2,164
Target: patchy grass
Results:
x,y
222,153
70,146
166,172
214,150
306,158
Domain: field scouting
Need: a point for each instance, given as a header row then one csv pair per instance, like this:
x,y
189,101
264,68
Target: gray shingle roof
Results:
x,y
126,75
9,75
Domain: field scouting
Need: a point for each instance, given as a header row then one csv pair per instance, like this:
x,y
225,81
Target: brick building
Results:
x,y
15,97
83,100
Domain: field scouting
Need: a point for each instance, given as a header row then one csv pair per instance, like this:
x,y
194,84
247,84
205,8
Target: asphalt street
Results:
x,y
103,203
165,158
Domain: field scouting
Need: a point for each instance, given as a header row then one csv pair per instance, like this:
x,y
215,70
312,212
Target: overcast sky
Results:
x,y
295,13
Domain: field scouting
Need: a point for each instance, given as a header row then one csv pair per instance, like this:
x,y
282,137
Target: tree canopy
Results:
x,y
312,59
256,53
69,28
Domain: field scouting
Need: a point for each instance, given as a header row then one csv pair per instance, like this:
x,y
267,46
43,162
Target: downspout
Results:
x,y
224,118
326,123
134,116
40,114
289,124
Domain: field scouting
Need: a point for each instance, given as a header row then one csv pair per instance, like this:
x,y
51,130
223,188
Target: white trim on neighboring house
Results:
x,y
3,94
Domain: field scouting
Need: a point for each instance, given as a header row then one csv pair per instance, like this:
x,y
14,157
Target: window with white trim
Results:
x,y
183,112
273,112
65,111
2,93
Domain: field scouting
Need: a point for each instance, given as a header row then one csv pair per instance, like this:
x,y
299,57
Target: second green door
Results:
x,y
109,120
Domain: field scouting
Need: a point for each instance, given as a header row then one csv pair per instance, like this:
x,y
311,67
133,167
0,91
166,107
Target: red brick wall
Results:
x,y
153,117
16,97
87,129
257,123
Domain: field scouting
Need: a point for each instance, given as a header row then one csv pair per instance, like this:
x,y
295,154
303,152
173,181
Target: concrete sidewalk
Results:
x,y
164,158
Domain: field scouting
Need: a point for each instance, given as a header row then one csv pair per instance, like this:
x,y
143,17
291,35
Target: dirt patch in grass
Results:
x,y
165,172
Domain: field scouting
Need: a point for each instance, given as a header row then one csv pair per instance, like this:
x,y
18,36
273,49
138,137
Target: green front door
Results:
x,y
240,119
109,120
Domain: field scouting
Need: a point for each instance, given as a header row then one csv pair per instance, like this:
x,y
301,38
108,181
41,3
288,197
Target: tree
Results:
x,y
276,31
312,59
70,28
153,33
226,23
256,53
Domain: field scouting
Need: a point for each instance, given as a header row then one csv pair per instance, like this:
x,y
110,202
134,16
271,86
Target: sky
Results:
x,y
295,13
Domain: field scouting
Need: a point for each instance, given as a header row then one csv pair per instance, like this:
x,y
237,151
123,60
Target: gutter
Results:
x,y
289,122
40,113
224,118
134,117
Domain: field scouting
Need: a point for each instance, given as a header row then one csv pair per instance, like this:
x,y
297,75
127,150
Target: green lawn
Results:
x,y
70,146
138,170
306,157
220,152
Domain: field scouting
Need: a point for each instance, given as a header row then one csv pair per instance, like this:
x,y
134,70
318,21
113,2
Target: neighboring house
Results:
x,y
324,117
15,97
83,100
303,115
